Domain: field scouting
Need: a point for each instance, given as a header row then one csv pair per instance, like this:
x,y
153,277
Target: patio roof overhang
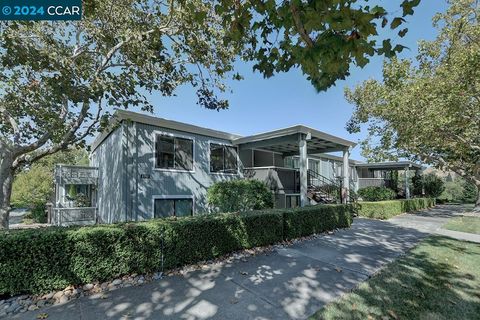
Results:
x,y
390,165
286,141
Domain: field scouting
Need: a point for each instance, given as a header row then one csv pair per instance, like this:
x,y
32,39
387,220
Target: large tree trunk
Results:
x,y
6,182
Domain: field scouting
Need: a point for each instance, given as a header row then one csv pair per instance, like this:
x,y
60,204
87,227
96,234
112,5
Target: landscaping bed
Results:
x,y
37,261
391,208
439,279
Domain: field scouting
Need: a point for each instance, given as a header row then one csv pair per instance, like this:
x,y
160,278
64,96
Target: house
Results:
x,y
145,167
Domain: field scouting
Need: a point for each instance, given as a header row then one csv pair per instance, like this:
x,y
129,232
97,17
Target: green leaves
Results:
x,y
239,195
321,38
114,57
428,109
396,22
403,32
408,5
53,258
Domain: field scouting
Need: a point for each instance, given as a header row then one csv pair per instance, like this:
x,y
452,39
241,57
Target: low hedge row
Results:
x,y
388,209
305,221
36,261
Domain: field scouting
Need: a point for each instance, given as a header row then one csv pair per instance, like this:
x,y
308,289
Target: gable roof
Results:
x,y
124,115
319,140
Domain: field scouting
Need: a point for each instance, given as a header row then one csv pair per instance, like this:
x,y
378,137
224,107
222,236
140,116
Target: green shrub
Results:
x,y
430,184
376,194
459,190
239,195
304,221
39,260
470,192
38,213
388,209
453,191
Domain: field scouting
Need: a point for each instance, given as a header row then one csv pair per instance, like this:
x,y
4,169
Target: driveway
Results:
x,y
288,283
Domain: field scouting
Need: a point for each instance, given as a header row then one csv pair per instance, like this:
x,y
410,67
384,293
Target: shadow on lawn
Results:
x,y
420,285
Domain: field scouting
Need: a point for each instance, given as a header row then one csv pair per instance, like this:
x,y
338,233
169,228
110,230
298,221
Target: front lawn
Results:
x,y
464,224
439,279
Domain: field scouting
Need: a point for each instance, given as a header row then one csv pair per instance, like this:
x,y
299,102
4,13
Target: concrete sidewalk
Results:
x,y
459,235
289,283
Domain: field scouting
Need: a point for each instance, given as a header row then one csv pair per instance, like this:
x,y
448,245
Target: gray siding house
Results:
x,y
146,167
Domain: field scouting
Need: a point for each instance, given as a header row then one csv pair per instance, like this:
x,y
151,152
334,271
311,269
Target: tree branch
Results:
x,y
13,124
299,26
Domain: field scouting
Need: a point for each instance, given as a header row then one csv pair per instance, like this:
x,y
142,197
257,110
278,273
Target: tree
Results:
x,y
429,185
34,185
428,109
60,80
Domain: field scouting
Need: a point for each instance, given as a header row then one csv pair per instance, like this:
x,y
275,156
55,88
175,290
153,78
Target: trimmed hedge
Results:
x,y
388,209
39,260
305,221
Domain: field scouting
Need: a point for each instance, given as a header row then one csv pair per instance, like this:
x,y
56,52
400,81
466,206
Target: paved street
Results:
x,y
290,283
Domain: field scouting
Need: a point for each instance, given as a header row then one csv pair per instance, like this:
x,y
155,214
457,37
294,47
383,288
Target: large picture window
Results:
x,y
173,153
179,207
223,158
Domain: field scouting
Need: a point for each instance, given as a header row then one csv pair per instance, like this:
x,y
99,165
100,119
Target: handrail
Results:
x,y
323,189
73,208
315,173
270,167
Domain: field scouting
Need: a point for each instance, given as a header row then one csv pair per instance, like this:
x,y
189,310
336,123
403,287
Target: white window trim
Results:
x,y
156,133
172,197
228,145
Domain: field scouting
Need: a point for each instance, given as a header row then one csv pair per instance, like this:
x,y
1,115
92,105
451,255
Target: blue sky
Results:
x,y
258,105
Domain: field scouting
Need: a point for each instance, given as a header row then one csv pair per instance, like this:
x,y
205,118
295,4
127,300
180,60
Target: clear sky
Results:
x,y
258,105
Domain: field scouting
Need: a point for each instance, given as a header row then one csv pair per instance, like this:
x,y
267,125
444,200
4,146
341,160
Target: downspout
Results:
x,y
125,164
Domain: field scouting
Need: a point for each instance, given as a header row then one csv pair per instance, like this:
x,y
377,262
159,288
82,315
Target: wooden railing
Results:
x,y
74,216
374,182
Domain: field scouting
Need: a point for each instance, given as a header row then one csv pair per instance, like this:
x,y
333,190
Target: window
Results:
x,y
173,153
179,207
223,158
292,201
314,165
292,162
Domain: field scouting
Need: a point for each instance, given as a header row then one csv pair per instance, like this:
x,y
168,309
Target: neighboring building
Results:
x,y
146,167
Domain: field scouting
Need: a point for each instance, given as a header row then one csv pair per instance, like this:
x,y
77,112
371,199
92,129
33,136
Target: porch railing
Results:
x,y
374,182
322,189
74,216
281,179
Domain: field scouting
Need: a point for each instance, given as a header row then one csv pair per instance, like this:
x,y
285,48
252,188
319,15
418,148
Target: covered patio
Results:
x,y
381,174
75,195
297,141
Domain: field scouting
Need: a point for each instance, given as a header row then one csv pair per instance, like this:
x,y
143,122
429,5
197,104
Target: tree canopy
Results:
x,y
34,185
428,109
61,80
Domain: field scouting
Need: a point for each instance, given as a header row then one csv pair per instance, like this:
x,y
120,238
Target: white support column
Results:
x,y
346,178
302,144
407,185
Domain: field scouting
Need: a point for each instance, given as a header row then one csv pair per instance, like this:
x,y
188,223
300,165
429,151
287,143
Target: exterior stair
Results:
x,y
322,189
